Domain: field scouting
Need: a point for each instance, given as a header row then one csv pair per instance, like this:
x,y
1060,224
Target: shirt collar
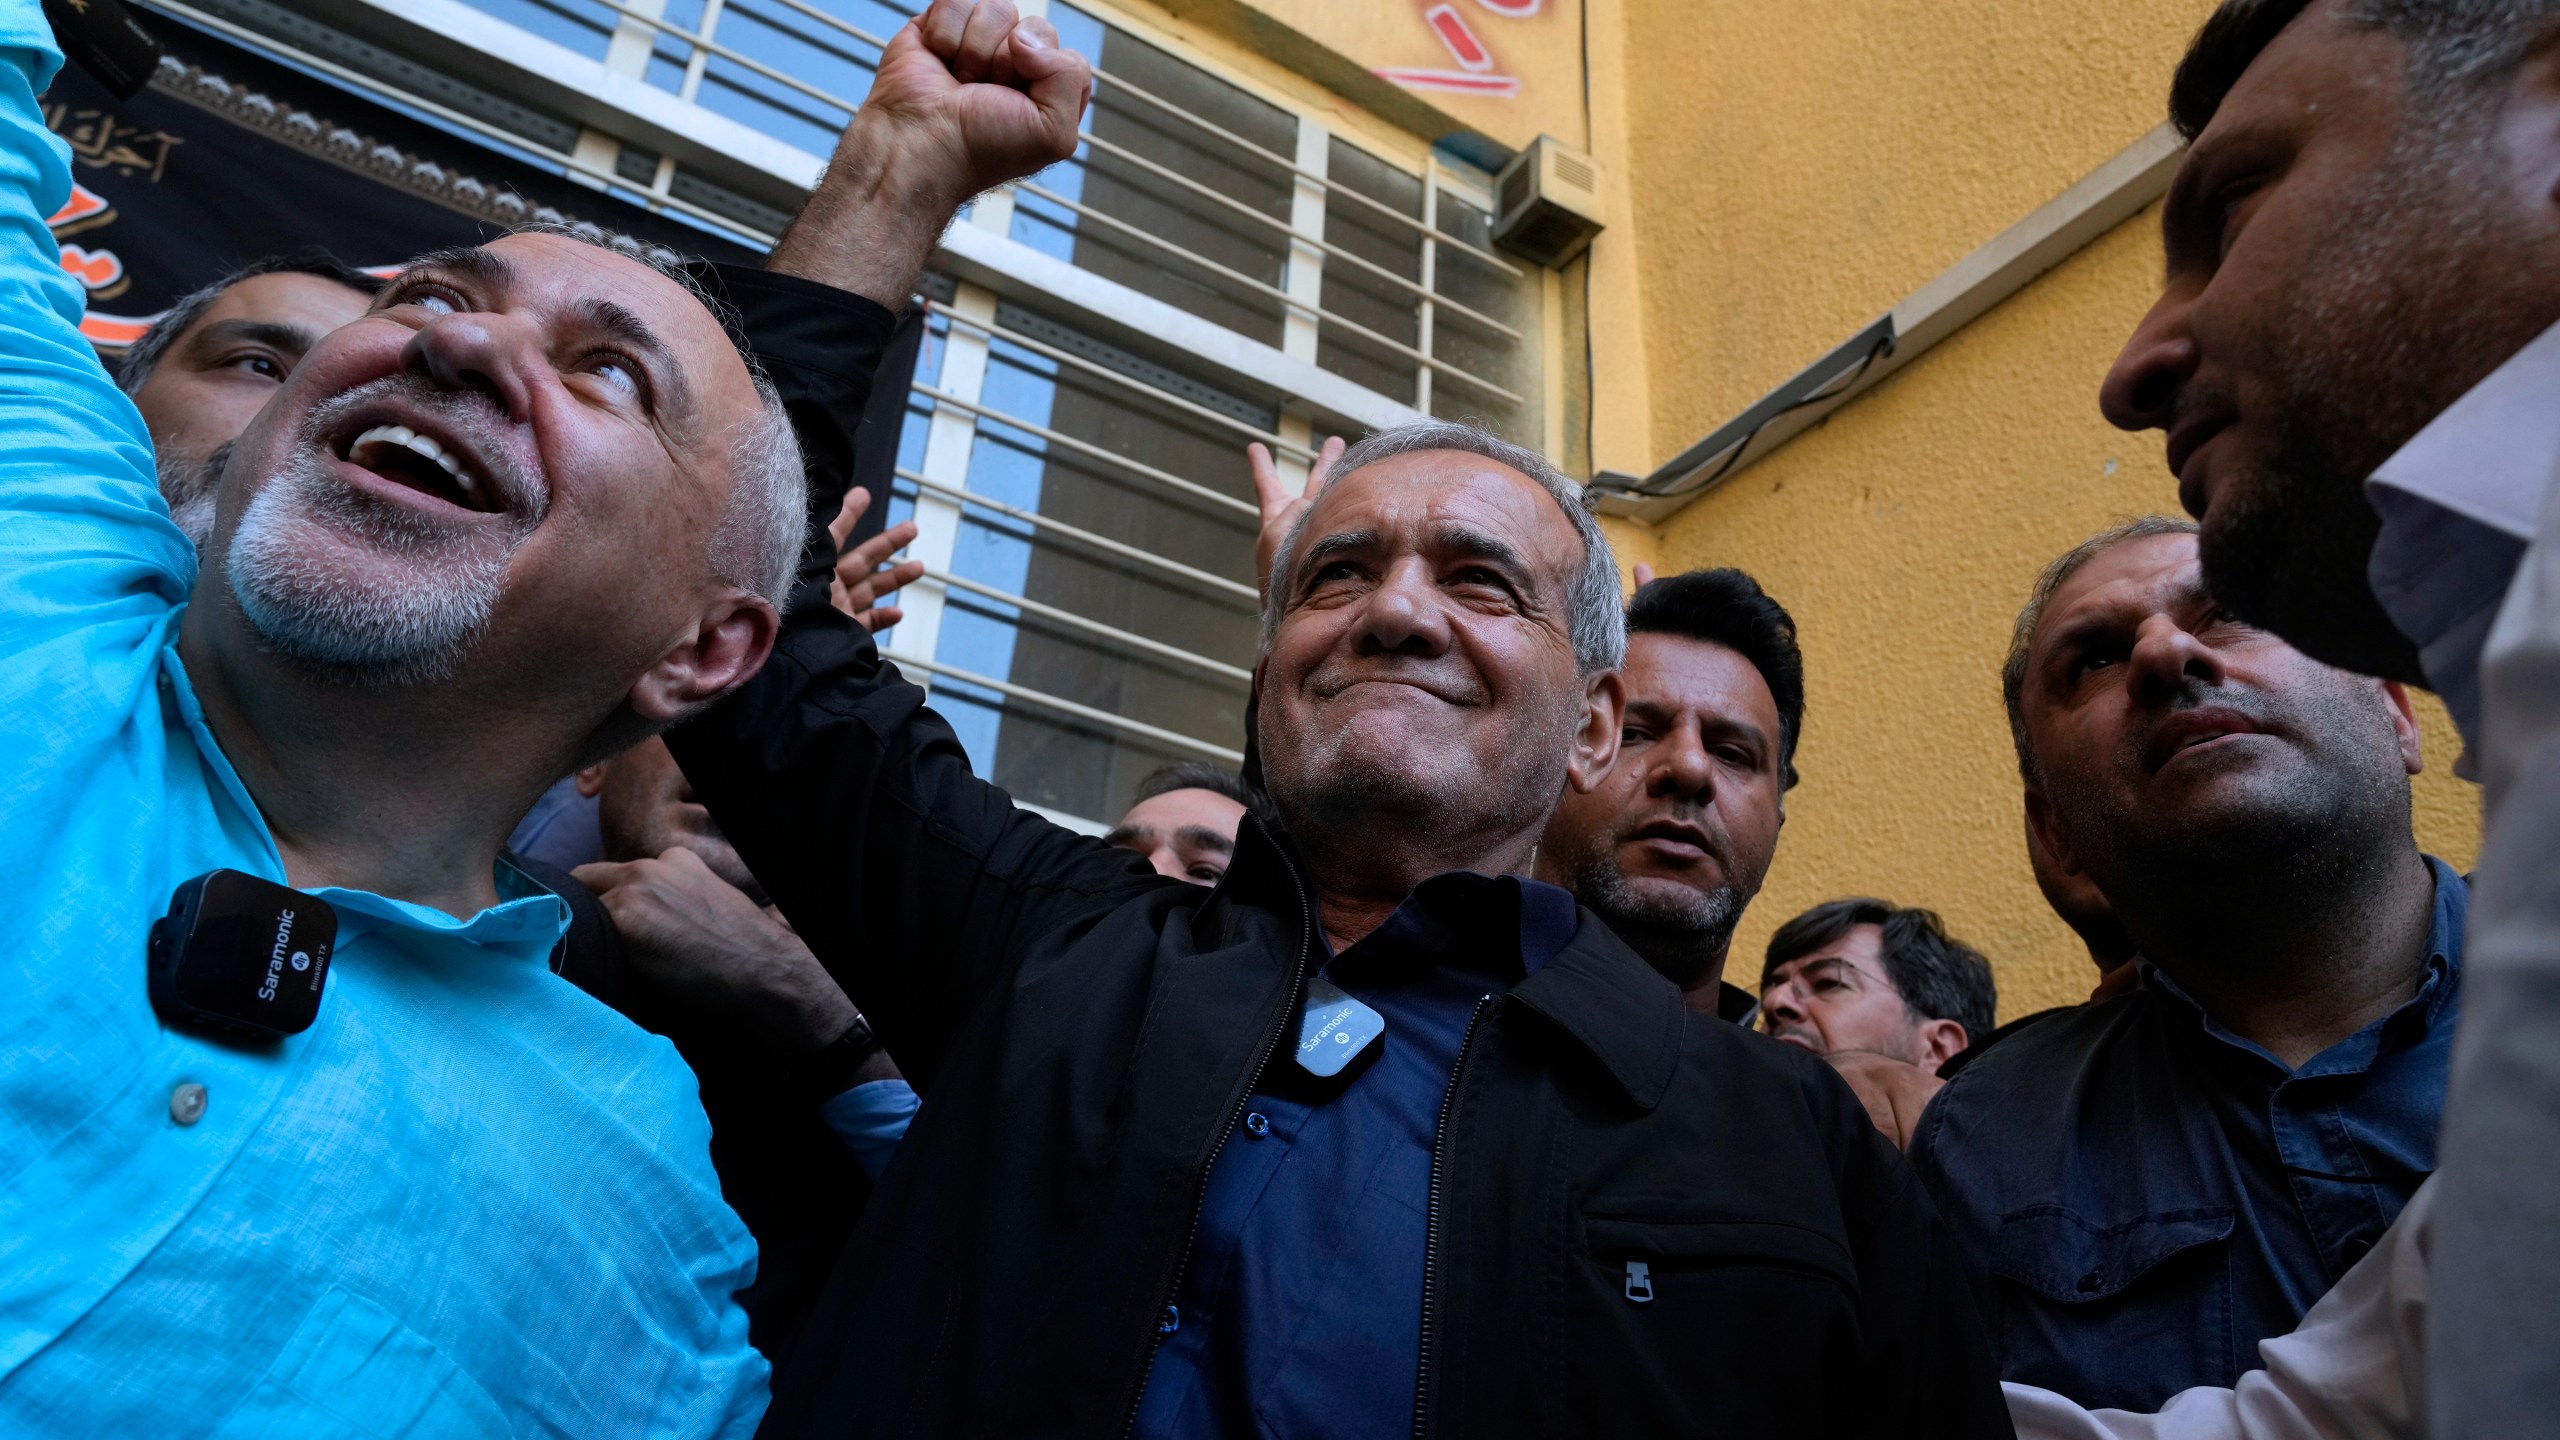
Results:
x,y
525,924
2458,504
2439,974
1504,925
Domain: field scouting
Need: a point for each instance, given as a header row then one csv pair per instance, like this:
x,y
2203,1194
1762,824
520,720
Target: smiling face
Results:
x,y
1421,674
2169,738
1673,843
509,464
2336,277
216,376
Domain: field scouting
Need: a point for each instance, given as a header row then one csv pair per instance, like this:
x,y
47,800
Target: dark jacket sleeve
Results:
x,y
915,882
1929,1347
822,348
912,880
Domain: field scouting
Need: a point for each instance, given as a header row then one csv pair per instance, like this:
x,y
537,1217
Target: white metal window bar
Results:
x,y
959,495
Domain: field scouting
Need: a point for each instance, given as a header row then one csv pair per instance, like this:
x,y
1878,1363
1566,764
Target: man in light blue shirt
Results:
x,y
532,506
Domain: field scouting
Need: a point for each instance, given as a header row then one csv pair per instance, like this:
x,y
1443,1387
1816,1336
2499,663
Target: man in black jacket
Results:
x,y
1526,1191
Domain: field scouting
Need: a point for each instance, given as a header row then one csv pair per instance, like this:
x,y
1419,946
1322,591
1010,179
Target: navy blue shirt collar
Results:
x,y
1504,926
2406,1025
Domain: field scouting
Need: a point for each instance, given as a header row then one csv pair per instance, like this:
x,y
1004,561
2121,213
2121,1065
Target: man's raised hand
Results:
x,y
968,96
864,579
1282,505
988,95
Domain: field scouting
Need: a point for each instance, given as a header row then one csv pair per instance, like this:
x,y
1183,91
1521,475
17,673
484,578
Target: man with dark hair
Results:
x,y
1866,974
1884,994
213,360
1184,820
2354,357
1675,840
2159,1181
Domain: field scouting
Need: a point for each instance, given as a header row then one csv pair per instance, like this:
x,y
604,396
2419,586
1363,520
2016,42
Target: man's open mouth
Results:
x,y
424,464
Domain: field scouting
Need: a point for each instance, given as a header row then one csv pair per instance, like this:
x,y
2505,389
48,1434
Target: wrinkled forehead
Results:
x,y
555,275
1430,497
2324,69
1859,949
2126,581
313,305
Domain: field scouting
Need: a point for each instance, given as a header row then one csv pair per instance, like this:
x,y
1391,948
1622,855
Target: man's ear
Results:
x,y
591,780
1935,1041
1595,740
2404,722
727,643
2043,834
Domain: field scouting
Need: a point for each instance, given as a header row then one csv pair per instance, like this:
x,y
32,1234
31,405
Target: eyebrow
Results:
x,y
1805,969
617,323
2084,629
465,262
1708,724
1201,837
1119,837
1482,545
275,334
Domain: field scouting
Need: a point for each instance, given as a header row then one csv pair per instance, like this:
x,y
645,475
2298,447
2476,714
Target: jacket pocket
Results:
x,y
2115,1313
1722,1327
352,1369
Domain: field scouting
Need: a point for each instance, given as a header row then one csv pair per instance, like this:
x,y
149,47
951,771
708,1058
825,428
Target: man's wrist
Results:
x,y
839,1065
871,224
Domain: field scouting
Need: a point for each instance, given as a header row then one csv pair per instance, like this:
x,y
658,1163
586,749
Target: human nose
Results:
x,y
2158,359
2167,658
1782,1001
1405,614
1167,863
1680,768
489,352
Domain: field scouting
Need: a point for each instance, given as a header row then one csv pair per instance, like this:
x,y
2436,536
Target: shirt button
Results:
x,y
2092,1282
1172,1320
1257,1125
186,1102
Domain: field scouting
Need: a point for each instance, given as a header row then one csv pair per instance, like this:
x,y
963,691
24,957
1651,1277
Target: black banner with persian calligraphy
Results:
x,y
236,158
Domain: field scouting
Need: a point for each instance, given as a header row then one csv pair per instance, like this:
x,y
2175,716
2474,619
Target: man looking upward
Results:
x,y
532,506
2161,1180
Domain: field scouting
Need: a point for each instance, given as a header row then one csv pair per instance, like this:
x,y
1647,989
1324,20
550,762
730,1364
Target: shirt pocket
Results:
x,y
1686,1326
352,1369
2115,1313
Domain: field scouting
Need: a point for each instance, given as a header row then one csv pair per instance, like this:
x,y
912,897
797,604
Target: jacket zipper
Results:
x,y
1431,1226
1262,1062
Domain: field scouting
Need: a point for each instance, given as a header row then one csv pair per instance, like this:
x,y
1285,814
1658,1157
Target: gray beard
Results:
x,y
188,486
1682,938
416,631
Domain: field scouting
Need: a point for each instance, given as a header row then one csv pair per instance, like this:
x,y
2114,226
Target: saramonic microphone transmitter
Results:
x,y
241,956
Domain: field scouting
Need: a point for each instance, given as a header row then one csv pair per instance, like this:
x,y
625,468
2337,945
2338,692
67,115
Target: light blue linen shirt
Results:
x,y
469,1201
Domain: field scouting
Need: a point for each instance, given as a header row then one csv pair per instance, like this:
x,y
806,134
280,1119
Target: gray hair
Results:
x,y
2022,638
2459,51
1597,621
756,544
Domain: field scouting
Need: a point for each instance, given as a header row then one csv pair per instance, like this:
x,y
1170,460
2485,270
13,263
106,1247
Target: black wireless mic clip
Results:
x,y
241,956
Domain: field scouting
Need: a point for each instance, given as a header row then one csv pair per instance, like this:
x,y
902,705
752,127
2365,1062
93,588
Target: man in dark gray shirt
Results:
x,y
2159,1181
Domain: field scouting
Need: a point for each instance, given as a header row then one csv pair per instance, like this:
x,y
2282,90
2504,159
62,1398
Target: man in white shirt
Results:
x,y
2354,359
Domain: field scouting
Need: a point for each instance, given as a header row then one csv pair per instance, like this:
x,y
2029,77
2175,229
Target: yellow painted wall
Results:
x,y
1903,536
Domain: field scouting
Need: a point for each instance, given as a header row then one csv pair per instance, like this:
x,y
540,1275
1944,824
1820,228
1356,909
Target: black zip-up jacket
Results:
x,y
1086,1034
